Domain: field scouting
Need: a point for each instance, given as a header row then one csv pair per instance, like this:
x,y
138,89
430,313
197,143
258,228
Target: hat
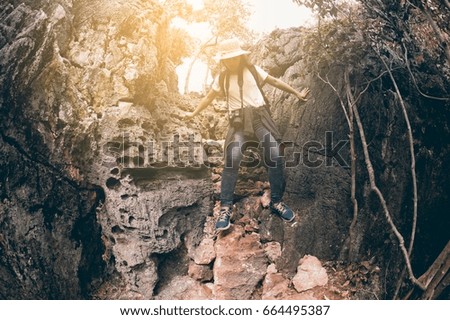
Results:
x,y
229,49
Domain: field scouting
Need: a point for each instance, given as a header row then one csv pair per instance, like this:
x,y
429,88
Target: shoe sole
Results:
x,y
224,228
290,220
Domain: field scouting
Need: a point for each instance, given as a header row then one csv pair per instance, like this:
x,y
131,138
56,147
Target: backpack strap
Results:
x,y
252,69
222,76
224,83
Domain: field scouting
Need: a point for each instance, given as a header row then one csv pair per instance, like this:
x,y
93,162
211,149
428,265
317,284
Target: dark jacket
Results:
x,y
249,115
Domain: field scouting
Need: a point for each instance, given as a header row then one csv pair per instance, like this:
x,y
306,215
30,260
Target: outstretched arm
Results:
x,y
277,83
205,102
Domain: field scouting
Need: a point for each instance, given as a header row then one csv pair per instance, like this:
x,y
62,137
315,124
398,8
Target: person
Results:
x,y
241,84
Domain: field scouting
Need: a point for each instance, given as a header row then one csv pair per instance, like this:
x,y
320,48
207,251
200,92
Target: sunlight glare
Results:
x,y
267,15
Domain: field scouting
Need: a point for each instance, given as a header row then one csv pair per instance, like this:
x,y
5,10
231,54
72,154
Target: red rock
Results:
x,y
276,287
185,288
251,206
240,264
272,268
215,177
310,274
205,252
265,199
273,250
200,273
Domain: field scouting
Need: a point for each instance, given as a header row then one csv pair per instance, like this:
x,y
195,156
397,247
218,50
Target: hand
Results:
x,y
303,94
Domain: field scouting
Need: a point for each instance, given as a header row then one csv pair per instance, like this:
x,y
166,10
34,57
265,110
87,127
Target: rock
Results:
x,y
205,253
131,72
200,273
129,253
272,268
88,90
277,287
184,288
318,192
58,14
249,224
80,222
215,177
251,207
154,203
273,250
240,264
310,274
265,199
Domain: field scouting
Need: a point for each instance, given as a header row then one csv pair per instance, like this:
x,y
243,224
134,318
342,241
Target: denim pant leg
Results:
x,y
233,157
272,160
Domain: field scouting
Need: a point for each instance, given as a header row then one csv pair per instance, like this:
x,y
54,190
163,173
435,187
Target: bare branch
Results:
x,y
438,32
350,103
411,150
444,284
346,248
447,3
368,85
380,196
414,79
435,278
339,97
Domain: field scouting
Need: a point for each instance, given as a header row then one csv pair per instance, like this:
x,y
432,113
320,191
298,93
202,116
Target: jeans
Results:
x,y
271,158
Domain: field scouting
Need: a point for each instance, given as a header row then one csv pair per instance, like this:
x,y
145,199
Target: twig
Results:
x,y
399,284
438,32
447,3
371,292
351,102
349,117
413,158
380,196
436,273
415,82
433,278
413,172
368,85
412,4
339,97
445,283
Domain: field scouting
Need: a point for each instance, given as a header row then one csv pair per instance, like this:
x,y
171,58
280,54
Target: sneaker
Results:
x,y
223,223
283,211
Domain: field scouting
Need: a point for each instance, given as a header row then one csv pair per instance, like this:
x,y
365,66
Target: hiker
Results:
x,y
241,84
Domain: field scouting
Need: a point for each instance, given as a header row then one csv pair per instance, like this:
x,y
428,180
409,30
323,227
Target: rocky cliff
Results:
x,y
321,186
106,193
65,68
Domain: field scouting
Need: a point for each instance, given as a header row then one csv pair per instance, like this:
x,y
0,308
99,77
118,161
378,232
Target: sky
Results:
x,y
267,16
271,14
